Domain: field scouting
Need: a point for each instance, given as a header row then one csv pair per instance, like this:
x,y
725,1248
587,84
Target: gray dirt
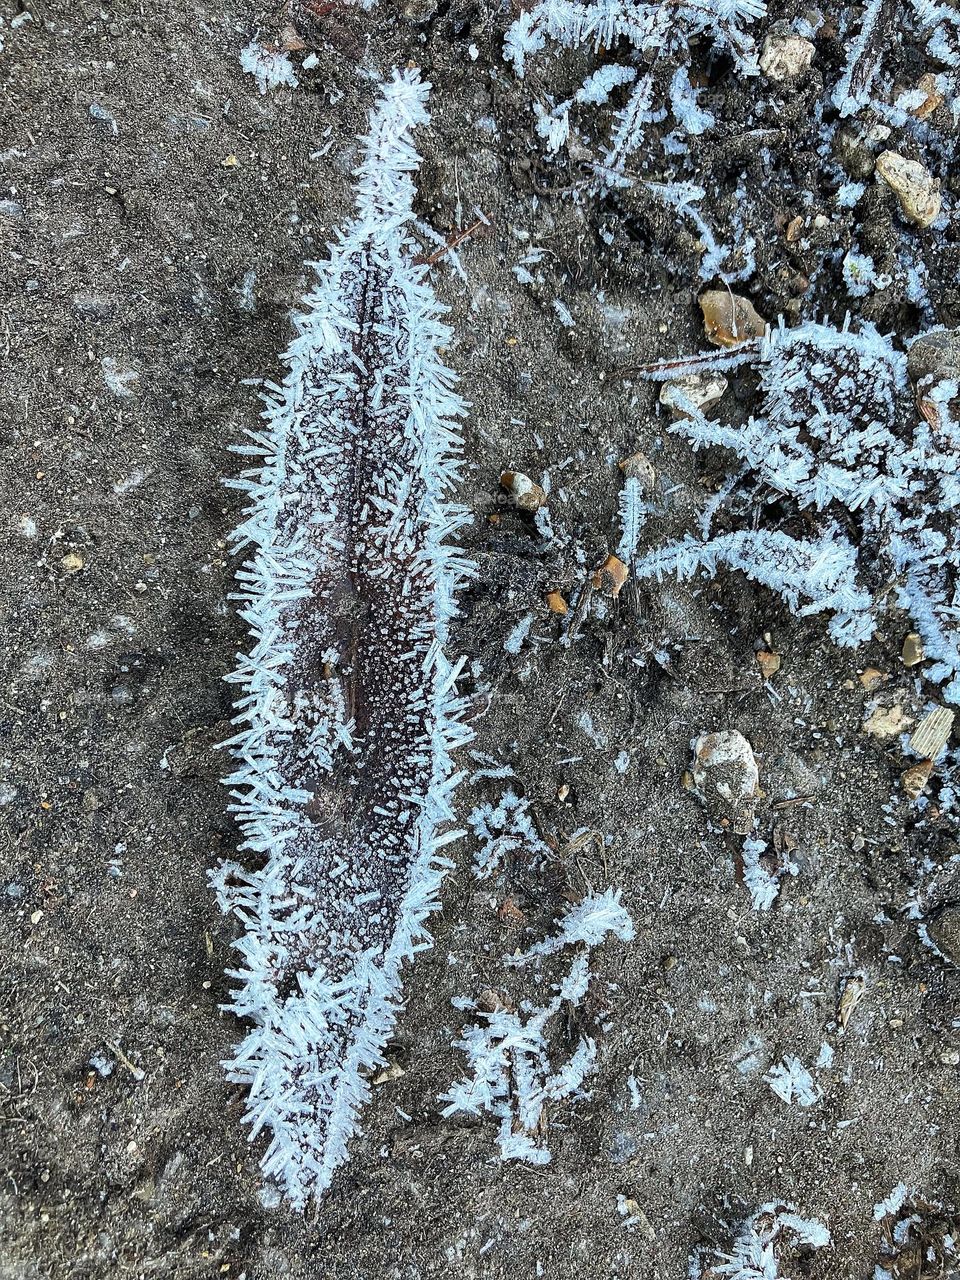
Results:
x,y
158,216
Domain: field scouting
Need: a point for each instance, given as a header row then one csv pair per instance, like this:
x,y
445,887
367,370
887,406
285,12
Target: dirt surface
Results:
x,y
157,215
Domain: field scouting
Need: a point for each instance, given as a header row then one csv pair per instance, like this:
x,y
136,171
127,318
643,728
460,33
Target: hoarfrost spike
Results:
x,y
347,714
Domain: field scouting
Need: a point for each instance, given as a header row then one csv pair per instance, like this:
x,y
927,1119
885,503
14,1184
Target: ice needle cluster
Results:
x,y
346,710
654,78
857,489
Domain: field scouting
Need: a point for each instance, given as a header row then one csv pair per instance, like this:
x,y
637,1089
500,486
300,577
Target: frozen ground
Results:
x,y
156,214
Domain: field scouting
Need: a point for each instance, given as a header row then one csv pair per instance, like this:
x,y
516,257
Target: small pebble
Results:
x,y
726,778
785,56
912,653
913,185
730,319
526,493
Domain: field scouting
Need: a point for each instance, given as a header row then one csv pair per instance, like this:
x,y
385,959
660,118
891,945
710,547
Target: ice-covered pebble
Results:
x,y
702,390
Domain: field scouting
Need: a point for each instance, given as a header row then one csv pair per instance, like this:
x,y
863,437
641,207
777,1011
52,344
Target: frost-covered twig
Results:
x,y
512,1076
346,709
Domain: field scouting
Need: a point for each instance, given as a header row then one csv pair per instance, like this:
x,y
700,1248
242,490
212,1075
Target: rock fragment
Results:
x,y
639,467
726,779
526,493
887,722
702,390
911,655
730,319
913,185
785,56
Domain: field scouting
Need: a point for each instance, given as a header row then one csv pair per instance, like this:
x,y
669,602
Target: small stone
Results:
x,y
915,779
613,573
933,99
944,933
726,778
702,390
556,603
931,734
768,662
72,562
950,1057
911,655
887,723
526,493
36,917
851,992
393,1071
935,355
785,56
872,678
639,467
913,185
730,319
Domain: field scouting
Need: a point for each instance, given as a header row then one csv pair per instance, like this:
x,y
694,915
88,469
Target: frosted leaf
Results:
x,y
346,714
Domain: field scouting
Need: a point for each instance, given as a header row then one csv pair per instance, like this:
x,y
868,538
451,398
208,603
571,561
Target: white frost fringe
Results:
x,y
346,707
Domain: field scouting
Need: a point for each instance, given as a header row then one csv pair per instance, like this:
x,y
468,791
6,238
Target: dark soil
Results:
x,y
157,215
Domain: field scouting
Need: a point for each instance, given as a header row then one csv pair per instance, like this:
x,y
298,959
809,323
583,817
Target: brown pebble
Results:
x,y
730,319
912,653
914,779
872,678
526,493
768,662
639,467
556,603
613,573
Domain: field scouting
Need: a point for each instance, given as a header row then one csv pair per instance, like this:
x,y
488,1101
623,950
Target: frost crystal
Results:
x,y
507,1050
512,1078
762,1244
503,830
270,67
589,922
793,1083
658,38
839,446
347,717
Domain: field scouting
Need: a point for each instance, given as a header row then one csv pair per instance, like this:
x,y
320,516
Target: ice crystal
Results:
x,y
840,449
271,68
765,1242
880,22
512,1077
346,710
657,36
792,1083
503,829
